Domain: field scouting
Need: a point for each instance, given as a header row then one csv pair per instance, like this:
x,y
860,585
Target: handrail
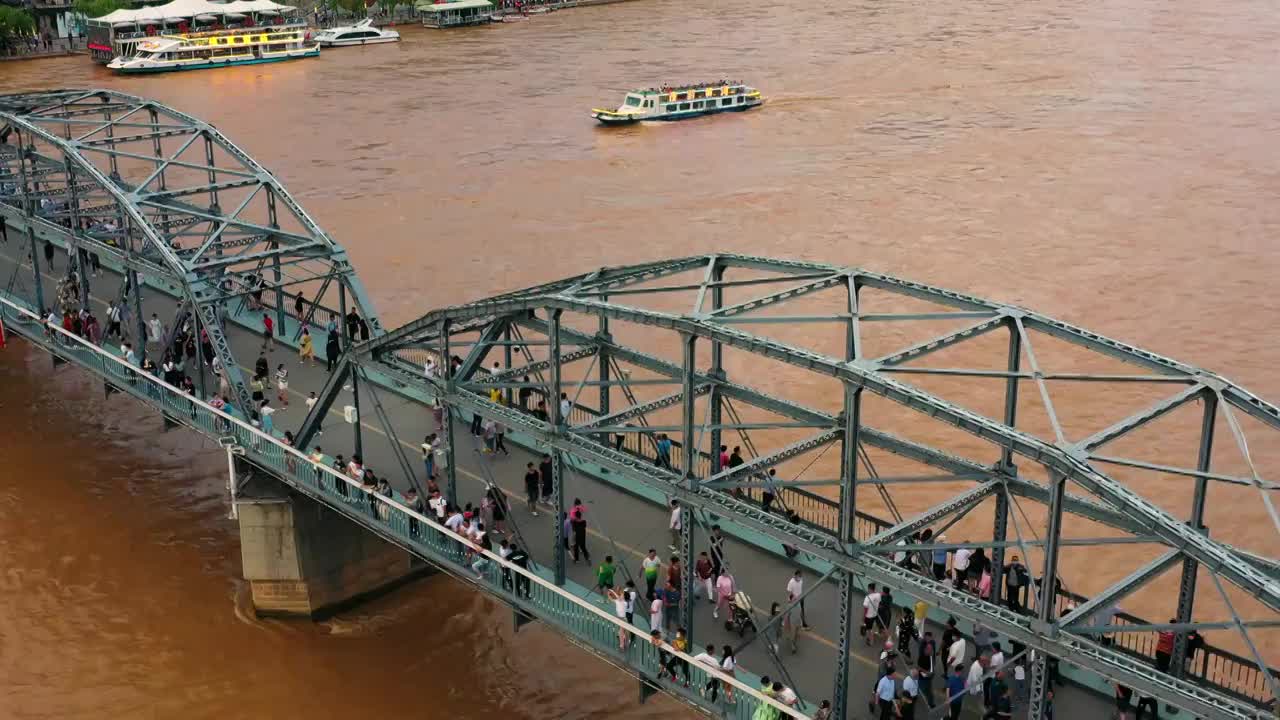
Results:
x,y
302,460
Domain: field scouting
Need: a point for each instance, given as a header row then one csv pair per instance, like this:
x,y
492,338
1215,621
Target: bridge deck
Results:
x,y
622,523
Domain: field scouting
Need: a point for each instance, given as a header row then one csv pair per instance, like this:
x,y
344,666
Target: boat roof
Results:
x,y
688,86
457,5
159,44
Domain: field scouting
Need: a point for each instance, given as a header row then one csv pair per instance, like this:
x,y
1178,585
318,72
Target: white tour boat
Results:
x,y
681,102
219,49
362,33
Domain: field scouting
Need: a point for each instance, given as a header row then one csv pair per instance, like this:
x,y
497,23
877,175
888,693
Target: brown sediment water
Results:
x,y
1110,164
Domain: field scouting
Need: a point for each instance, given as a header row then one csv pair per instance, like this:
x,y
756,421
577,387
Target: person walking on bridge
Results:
x,y
578,522
331,352
531,484
545,472
268,332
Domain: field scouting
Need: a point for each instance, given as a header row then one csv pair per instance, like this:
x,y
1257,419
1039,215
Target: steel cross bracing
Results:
x,y
168,196
616,297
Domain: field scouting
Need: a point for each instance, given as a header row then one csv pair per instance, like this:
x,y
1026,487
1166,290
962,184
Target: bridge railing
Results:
x,y
1219,669
526,590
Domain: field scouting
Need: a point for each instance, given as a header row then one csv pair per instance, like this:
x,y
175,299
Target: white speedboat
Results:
x,y
362,33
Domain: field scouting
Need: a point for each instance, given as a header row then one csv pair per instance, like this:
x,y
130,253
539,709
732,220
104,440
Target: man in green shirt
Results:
x,y
651,565
604,575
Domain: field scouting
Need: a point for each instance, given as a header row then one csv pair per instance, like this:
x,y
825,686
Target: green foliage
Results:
x,y
15,24
346,7
98,8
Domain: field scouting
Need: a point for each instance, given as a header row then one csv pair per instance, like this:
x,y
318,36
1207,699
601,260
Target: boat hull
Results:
x,y
216,64
608,118
361,41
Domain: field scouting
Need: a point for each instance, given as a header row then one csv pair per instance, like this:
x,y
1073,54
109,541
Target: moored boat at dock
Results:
x,y
210,50
681,102
362,33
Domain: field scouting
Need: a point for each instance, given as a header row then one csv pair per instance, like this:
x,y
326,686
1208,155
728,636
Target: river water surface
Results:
x,y
1112,164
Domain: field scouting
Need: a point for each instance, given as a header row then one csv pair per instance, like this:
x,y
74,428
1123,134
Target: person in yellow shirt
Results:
x,y
922,611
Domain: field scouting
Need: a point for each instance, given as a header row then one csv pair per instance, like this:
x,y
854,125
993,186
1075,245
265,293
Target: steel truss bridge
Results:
x,y
789,361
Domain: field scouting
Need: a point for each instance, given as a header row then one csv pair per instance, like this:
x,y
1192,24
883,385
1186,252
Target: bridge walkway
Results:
x,y
623,523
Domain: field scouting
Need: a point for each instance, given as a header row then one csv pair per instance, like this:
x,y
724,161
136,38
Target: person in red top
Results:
x,y
268,331
1164,649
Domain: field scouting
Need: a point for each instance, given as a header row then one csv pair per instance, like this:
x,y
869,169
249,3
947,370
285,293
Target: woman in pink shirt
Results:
x,y
724,594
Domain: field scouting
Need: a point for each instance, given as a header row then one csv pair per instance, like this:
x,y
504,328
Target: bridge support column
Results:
x,y
1041,682
1190,568
304,560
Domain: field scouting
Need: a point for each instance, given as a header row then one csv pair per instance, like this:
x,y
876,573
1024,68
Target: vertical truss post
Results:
x,y
196,324
35,268
715,397
29,209
603,339
689,577
506,360
999,533
840,707
214,208
557,462
73,246
1000,527
1048,583
450,441
140,324
272,221
345,343
851,418
689,344
1190,568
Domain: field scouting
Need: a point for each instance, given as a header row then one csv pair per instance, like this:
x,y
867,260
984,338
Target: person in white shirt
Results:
x,y
870,611
956,653
566,405
707,658
655,612
974,682
795,588
155,331
675,525
911,686
960,565
455,521
438,506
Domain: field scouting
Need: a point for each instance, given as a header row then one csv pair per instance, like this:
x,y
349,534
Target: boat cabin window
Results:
x,y
697,105
741,99
700,94
726,101
682,96
633,101
671,108
684,106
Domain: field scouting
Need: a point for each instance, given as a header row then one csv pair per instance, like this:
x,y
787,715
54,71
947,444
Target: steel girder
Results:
x,y
168,196
606,294
1079,649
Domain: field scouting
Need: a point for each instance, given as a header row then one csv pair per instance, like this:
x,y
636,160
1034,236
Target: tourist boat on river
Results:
x,y
362,33
221,49
681,102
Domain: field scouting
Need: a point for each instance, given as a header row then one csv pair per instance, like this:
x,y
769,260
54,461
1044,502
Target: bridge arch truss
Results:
x,y
680,348
172,200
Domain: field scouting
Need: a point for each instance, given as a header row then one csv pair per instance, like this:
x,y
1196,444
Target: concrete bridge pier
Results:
x,y
304,560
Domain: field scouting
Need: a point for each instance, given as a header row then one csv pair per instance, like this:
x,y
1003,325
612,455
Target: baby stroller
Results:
x,y
740,617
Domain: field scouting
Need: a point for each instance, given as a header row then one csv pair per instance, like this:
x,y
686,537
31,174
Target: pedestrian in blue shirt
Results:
x,y
886,691
956,691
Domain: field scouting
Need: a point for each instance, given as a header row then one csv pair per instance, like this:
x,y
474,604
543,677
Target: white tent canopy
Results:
x,y
187,9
